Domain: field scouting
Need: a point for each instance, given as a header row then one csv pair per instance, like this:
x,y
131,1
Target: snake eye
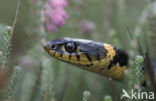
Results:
x,y
53,46
70,47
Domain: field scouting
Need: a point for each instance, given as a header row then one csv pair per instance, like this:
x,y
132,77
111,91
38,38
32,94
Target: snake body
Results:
x,y
101,58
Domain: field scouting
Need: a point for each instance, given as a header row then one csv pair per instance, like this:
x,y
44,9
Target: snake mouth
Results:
x,y
46,47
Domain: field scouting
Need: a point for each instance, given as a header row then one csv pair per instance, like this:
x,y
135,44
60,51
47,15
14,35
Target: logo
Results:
x,y
137,95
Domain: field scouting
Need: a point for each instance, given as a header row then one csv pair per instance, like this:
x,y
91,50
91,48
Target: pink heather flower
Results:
x,y
55,15
50,26
58,17
59,3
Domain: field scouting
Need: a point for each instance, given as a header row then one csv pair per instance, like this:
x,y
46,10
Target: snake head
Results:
x,y
76,51
94,56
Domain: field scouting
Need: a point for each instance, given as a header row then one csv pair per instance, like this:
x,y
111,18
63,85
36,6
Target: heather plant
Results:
x,y
5,45
12,84
32,75
139,67
86,95
107,98
54,14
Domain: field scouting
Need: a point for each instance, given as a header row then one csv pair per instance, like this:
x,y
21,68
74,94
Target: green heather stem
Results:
x,y
7,45
47,80
0,53
151,13
139,65
46,77
12,85
27,85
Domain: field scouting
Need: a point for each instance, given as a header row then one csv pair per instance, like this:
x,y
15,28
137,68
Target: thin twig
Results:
x,y
12,31
148,67
114,89
3,63
15,20
138,43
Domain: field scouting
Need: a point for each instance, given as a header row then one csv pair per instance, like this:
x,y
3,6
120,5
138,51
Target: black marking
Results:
x,y
102,69
121,57
77,56
144,84
61,54
70,55
88,57
89,65
98,57
104,51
